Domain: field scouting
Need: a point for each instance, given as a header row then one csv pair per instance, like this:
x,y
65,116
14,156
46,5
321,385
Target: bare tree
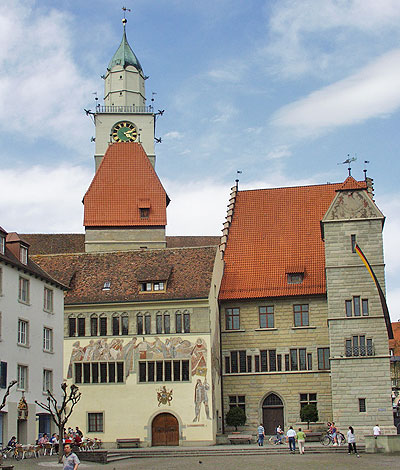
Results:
x,y
3,404
61,413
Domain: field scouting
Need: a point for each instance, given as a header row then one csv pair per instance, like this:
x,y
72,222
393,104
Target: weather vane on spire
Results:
x,y
124,20
349,161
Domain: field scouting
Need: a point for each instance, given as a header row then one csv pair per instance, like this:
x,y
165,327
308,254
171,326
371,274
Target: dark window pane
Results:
x,y
249,367
111,372
302,359
160,377
370,350
125,325
234,362
178,323
297,319
3,378
81,327
159,324
363,351
293,359
115,326
312,397
356,302
287,367
86,372
142,372
150,371
272,360
177,371
103,326
168,371
365,311
78,373
139,320
167,327
103,372
263,317
95,372
147,324
120,371
242,361
361,405
186,322
93,326
185,370
349,349
349,308
353,243
309,361
257,363
71,326
227,365
279,360
263,355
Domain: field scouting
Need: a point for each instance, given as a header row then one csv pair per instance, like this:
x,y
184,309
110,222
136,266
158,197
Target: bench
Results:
x,y
127,443
240,438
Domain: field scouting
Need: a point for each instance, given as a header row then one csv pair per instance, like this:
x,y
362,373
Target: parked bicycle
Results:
x,y
327,439
275,440
11,452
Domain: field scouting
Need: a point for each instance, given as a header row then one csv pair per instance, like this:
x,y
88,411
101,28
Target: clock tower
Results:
x,y
124,116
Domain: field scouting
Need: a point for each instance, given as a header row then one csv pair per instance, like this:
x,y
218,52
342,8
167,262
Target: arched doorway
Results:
x,y
165,430
272,411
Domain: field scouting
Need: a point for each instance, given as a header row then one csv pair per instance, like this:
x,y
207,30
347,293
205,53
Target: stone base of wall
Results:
x,y
99,456
382,444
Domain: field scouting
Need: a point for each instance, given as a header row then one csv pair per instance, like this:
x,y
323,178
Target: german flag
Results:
x,y
381,294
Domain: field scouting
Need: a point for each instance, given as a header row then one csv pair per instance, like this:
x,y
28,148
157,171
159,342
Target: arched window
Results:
x,y
178,321
115,324
272,400
94,325
81,325
167,323
103,325
159,323
147,324
124,324
186,322
139,324
71,326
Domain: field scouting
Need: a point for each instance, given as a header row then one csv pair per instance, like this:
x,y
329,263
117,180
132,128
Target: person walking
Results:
x,y
377,431
70,460
351,440
301,439
261,435
291,435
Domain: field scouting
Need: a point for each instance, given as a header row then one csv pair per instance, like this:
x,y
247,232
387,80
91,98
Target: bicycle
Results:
x,y
275,440
327,439
11,452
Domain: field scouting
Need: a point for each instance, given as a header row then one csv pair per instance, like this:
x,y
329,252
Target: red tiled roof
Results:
x,y
395,342
351,183
124,179
272,231
189,273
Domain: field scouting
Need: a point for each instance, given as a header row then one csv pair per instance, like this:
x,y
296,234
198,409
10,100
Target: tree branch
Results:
x,y
10,386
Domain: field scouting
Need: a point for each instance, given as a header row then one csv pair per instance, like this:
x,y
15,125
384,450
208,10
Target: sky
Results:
x,y
281,90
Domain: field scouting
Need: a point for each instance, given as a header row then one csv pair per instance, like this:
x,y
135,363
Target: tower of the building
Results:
x,y
124,116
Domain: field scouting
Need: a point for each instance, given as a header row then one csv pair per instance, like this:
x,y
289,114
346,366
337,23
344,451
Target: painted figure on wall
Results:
x,y
199,363
201,396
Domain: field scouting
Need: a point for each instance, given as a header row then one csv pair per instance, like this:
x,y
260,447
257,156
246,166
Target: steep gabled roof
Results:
x,y
273,233
188,272
124,179
351,183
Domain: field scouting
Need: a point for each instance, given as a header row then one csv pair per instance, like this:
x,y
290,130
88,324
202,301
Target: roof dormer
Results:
x,y
18,247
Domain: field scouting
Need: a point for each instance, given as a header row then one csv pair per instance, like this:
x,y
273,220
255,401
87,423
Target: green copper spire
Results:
x,y
125,56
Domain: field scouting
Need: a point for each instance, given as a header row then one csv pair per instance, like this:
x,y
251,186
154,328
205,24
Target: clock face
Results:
x,y
124,131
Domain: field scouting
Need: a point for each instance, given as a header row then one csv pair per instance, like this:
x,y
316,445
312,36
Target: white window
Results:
x,y
47,380
23,293
22,377
23,332
47,339
23,253
48,299
2,245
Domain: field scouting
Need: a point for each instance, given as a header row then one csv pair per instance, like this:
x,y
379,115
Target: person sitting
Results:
x,y
12,443
77,439
43,440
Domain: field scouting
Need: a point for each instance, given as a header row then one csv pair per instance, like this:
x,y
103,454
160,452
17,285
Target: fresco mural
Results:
x,y
119,349
201,396
164,396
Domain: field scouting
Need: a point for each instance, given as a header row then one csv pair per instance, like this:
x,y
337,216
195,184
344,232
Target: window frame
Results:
x,y
303,312
23,254
98,424
268,316
362,405
232,318
23,289
23,333
237,401
48,339
22,377
48,299
324,362
47,379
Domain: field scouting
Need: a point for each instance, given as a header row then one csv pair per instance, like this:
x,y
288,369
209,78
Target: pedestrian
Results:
x,y
70,460
279,435
333,430
351,439
301,439
261,434
291,435
377,431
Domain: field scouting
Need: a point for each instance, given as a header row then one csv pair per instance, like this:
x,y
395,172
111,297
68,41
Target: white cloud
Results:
x,y
372,92
42,199
282,151
230,72
40,85
173,135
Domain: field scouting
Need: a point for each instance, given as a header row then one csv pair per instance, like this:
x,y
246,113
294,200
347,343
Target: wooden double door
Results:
x,y
272,411
165,430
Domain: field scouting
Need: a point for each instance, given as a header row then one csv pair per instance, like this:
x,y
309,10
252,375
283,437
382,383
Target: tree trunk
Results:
x,y
60,442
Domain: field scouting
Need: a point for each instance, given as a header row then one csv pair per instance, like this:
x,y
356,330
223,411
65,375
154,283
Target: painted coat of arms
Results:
x,y
164,396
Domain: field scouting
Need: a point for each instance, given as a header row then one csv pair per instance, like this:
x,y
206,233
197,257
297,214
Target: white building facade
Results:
x,y
31,340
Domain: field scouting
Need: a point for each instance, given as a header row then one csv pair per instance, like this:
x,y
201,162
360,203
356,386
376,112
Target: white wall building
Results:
x,y
31,340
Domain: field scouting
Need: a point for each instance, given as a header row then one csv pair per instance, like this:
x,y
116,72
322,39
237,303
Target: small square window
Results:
x,y
295,278
95,422
144,212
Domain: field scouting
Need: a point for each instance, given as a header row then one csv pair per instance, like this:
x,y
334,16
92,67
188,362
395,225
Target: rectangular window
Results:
x,y
266,316
142,372
111,372
185,371
272,360
295,278
95,422
78,372
365,311
94,326
47,339
1,281
359,346
186,323
23,292
249,364
178,323
125,325
22,378
257,363
308,399
23,327
287,364
95,372
159,322
177,371
356,305
103,372
150,371
237,400
302,359
293,359
81,326
3,374
323,359
300,315
2,245
139,322
349,308
164,371
120,372
103,326
23,254
353,243
279,361
159,371
309,361
232,316
48,299
242,361
167,371
227,365
47,380
147,324
115,326
362,408
234,362
86,373
167,324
